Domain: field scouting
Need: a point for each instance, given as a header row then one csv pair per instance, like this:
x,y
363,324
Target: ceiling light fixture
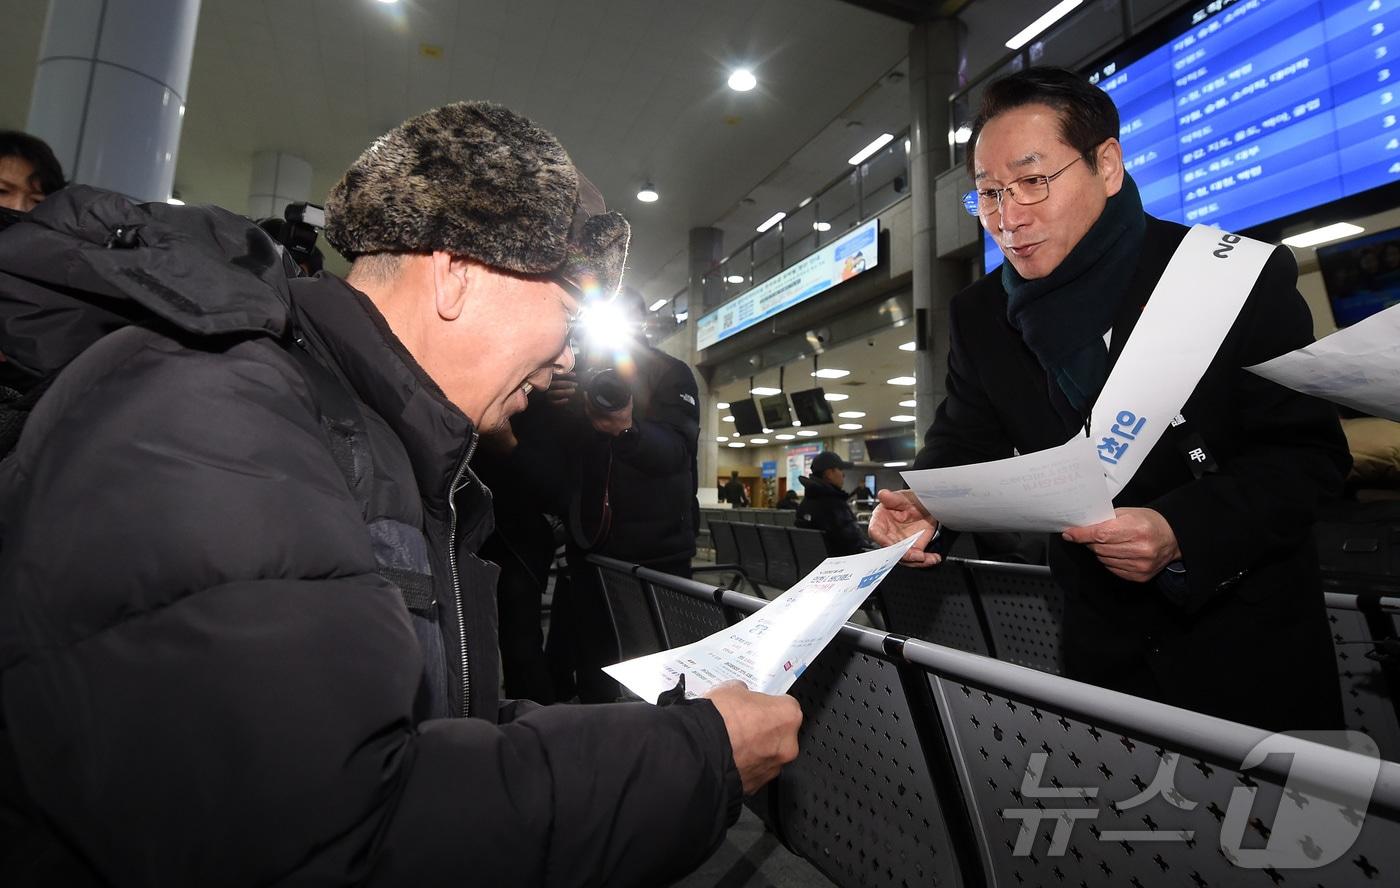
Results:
x,y
835,396
648,194
742,80
911,403
902,417
851,414
900,380
830,373
758,440
735,279
762,390
736,444
174,201
771,221
850,426
896,465
660,303
681,316
726,419
1031,31
786,437
962,134
906,347
722,438
722,405
1323,235
806,433
822,226
880,142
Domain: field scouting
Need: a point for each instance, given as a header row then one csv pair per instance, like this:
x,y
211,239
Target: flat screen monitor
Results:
x,y
894,449
1235,114
746,421
812,407
776,413
1362,276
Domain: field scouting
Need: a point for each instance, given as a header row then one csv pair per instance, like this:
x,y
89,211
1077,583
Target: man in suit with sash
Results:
x,y
1203,591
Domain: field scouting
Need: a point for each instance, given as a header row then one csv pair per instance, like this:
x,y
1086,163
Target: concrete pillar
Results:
x,y
706,293
109,91
706,252
278,179
934,51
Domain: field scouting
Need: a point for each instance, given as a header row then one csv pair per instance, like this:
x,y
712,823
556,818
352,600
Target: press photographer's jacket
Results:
x,y
209,669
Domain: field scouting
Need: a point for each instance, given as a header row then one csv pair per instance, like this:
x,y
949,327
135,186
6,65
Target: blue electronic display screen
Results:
x,y
1258,109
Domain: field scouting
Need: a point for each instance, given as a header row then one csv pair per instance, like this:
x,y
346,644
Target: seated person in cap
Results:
x,y
245,637
824,506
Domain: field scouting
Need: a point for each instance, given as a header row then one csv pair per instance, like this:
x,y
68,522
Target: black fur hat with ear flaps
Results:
x,y
477,180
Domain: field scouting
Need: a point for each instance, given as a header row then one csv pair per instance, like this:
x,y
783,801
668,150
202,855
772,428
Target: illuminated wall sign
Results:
x,y
837,261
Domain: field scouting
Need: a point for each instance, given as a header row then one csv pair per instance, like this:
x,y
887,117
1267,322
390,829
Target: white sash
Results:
x,y
1192,308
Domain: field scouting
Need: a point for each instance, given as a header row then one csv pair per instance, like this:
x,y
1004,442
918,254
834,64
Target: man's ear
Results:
x,y
1110,162
451,281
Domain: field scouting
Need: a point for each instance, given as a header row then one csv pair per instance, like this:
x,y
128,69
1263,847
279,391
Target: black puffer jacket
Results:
x,y
824,508
207,676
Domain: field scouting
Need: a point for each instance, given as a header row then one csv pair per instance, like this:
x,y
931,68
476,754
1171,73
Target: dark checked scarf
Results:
x,y
1063,316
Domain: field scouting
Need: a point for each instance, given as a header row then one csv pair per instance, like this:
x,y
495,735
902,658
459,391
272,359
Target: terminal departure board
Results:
x,y
1258,109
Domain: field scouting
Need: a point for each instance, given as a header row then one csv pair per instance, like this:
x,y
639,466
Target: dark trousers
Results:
x,y
582,639
524,549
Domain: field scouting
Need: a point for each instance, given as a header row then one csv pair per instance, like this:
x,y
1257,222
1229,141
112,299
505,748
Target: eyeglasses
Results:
x,y
1025,191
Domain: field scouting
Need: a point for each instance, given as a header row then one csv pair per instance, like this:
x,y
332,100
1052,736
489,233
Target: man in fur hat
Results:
x,y
244,636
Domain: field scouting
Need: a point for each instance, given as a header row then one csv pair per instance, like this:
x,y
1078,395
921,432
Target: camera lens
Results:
x,y
606,391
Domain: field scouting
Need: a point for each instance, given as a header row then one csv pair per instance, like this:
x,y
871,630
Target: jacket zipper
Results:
x,y
456,580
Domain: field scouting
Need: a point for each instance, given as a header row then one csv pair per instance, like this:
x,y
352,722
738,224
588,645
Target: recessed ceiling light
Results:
x,y
727,419
660,303
896,465
767,431
388,2
736,444
175,201
735,279
722,405
901,380
796,422
962,134
807,433
830,373
786,437
758,440
763,390
648,194
1323,235
742,80
850,426
771,221
1031,31
907,347
851,414
681,316
835,396
880,142
822,226
722,438
909,403
902,417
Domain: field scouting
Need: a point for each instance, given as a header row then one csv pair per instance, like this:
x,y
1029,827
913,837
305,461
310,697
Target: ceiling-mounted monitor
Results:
x,y
1362,276
746,421
812,407
893,449
776,413
1234,114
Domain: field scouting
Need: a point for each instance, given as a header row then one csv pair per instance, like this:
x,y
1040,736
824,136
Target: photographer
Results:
x,y
632,419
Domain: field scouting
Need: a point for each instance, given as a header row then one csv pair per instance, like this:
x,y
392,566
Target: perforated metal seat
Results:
x,y
751,554
629,605
777,550
687,612
860,801
1368,699
809,547
1025,613
935,604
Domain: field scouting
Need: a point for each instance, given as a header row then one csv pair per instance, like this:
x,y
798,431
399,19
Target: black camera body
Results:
x,y
605,390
